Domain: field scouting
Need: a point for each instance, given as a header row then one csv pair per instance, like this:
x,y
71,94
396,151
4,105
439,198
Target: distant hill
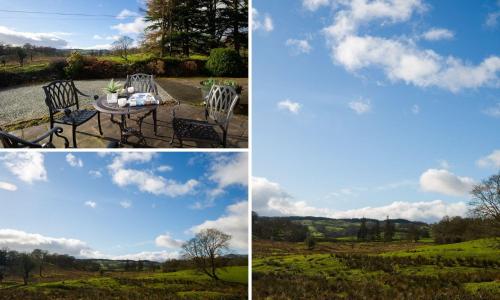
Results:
x,y
324,228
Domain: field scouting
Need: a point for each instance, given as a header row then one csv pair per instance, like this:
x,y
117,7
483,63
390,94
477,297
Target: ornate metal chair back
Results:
x,y
61,94
142,83
220,104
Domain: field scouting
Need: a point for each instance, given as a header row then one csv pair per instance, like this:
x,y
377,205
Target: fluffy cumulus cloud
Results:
x,y
398,58
298,46
234,222
167,241
261,22
27,242
229,170
436,34
19,38
23,241
313,5
490,161
270,199
8,186
361,106
146,181
289,105
27,166
444,182
135,27
74,161
493,17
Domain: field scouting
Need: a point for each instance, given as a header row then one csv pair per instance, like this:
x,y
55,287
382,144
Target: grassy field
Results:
x,y
377,270
186,284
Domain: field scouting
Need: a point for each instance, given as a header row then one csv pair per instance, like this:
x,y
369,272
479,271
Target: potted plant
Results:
x,y
112,91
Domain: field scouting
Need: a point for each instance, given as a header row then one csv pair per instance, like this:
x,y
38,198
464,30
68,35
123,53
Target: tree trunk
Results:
x,y
236,30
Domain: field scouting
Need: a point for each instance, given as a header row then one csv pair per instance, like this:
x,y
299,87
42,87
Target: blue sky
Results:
x,y
63,31
126,205
374,108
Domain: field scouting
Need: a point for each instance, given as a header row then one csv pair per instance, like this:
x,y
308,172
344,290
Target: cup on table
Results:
x,y
122,102
130,90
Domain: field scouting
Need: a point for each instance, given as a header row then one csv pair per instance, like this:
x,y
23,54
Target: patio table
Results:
x,y
102,105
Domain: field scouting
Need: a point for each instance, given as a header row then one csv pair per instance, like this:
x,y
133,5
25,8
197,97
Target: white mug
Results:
x,y
130,90
122,102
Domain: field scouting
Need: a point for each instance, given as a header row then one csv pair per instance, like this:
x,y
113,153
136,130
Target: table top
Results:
x,y
102,105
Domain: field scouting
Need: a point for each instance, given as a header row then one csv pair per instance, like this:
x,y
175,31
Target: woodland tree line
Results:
x,y
483,221
195,26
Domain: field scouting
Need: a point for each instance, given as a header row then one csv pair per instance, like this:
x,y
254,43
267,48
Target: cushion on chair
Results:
x,y
79,116
186,129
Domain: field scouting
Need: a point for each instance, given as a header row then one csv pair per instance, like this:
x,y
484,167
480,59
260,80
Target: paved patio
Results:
x,y
186,92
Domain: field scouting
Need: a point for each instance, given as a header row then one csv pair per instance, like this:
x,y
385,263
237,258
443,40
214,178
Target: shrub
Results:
x,y
75,64
224,62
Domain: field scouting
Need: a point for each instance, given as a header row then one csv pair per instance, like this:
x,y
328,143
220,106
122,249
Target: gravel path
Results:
x,y
28,102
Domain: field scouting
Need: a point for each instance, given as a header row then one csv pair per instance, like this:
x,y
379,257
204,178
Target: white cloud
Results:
x,y
135,27
264,23
96,47
287,104
19,38
361,106
164,168
8,186
415,109
126,14
27,166
126,204
492,160
492,19
444,182
95,173
23,241
27,242
229,171
493,111
159,256
90,204
234,222
74,161
313,5
269,199
143,180
167,241
299,46
436,34
400,59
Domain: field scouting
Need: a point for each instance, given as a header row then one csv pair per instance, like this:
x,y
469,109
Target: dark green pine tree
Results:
x,y
376,231
363,230
388,230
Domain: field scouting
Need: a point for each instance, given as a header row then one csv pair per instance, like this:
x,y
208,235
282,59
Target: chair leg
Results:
x,y
74,136
224,138
155,122
51,127
99,122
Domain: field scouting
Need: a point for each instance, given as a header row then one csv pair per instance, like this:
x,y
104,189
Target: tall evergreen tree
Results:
x,y
363,230
388,230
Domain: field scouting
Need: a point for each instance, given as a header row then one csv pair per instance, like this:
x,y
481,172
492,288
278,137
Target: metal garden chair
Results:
x,y
62,99
219,106
143,83
10,141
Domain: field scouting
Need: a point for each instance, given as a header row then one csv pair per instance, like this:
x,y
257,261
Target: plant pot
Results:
x,y
112,98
